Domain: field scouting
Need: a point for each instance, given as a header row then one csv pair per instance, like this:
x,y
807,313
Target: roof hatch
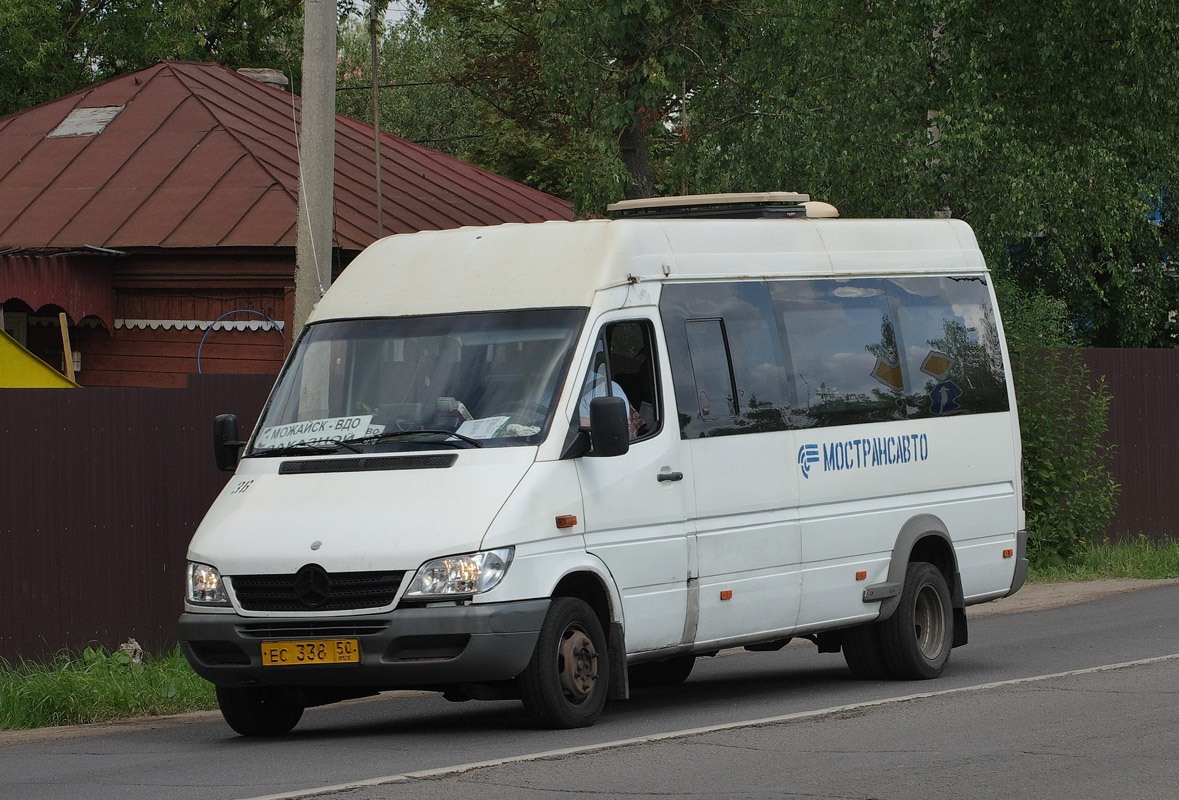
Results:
x,y
85,122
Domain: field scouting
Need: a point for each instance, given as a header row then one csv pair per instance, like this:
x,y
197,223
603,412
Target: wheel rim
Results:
x,y
577,663
929,622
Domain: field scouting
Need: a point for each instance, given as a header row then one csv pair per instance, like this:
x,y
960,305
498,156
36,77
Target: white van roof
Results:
x,y
562,264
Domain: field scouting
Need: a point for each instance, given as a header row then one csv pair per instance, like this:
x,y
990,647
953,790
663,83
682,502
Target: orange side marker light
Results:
x,y
1008,553
726,594
566,521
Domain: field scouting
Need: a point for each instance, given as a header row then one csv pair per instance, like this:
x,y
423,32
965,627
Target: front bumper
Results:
x,y
426,648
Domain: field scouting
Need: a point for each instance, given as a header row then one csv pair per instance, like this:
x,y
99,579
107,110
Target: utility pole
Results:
x,y
374,28
317,157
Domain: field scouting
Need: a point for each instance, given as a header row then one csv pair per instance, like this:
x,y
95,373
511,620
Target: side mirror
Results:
x,y
226,446
609,426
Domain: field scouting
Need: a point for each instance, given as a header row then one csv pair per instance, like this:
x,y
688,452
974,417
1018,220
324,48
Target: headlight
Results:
x,y
460,575
205,585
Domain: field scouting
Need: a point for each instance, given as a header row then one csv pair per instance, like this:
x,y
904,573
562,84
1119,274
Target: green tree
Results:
x,y
48,49
418,101
586,97
1049,128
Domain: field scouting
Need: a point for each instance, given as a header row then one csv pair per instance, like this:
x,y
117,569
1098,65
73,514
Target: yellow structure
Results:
x,y
20,369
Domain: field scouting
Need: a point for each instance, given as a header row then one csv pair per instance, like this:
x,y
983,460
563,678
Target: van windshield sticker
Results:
x,y
317,431
874,451
485,428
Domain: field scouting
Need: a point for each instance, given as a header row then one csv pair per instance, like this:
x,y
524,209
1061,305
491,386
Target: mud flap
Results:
x,y
619,688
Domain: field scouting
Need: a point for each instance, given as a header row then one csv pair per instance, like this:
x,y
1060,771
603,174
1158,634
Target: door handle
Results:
x,y
670,476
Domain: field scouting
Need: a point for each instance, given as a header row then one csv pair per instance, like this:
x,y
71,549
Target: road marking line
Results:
x,y
689,732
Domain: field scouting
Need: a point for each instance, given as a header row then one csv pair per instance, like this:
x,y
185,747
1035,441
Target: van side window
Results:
x,y
624,363
749,356
843,351
870,350
726,358
953,360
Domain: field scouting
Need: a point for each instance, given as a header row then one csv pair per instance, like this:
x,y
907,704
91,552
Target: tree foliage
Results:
x,y
49,48
586,92
1048,127
418,101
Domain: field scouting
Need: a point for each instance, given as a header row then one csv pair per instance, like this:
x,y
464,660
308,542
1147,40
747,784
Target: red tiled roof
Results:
x,y
201,156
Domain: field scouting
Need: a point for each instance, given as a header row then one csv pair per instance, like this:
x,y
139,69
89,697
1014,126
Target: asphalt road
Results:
x,y
1068,702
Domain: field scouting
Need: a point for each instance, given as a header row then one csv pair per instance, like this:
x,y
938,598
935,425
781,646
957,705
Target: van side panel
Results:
x,y
870,480
823,415
747,536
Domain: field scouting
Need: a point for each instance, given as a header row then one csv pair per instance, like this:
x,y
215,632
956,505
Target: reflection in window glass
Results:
x,y
716,397
952,358
843,351
726,355
831,352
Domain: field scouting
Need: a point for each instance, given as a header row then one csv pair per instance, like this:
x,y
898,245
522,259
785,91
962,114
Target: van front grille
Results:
x,y
325,591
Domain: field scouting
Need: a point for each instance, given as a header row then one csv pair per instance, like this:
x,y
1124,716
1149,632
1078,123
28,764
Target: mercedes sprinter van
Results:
x,y
558,461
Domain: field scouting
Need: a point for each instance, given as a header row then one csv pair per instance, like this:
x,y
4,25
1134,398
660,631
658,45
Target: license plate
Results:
x,y
313,651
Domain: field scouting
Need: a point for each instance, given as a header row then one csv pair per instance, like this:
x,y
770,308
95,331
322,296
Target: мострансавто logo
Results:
x,y
873,451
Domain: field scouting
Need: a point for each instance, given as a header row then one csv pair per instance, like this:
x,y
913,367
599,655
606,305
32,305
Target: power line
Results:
x,y
390,86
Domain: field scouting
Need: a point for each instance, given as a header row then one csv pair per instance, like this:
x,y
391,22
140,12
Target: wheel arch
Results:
x,y
923,537
601,595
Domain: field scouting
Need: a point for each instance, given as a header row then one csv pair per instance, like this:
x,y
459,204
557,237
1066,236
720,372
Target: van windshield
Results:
x,y
420,382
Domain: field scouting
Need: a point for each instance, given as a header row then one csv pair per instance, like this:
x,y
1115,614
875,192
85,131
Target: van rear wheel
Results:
x,y
565,683
917,638
258,710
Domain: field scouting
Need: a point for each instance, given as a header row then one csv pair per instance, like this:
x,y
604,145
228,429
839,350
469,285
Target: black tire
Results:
x,y
671,672
864,654
258,710
565,683
917,638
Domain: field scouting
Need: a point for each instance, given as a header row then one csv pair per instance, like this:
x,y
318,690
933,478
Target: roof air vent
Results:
x,y
754,205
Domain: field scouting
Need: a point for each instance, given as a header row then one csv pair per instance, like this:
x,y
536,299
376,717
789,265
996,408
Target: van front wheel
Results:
x,y
258,710
565,683
917,638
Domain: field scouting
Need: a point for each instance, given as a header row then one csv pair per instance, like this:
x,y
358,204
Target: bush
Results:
x,y
1069,491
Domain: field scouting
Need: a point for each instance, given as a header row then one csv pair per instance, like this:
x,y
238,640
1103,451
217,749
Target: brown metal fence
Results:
x,y
1144,426
100,491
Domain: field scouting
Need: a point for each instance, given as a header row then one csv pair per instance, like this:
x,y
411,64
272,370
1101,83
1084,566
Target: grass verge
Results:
x,y
96,686
1141,558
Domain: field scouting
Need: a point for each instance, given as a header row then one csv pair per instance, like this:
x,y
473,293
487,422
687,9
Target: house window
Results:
x,y
16,325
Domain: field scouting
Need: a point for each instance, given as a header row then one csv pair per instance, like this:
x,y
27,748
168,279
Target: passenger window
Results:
x,y
843,352
730,376
953,361
712,370
624,365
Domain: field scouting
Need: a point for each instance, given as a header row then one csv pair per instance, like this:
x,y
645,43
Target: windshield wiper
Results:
x,y
380,437
317,449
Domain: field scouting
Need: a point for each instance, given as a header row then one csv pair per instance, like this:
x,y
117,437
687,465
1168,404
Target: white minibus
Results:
x,y
562,460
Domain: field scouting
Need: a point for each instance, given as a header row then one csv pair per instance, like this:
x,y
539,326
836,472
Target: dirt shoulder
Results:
x,y
1041,596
